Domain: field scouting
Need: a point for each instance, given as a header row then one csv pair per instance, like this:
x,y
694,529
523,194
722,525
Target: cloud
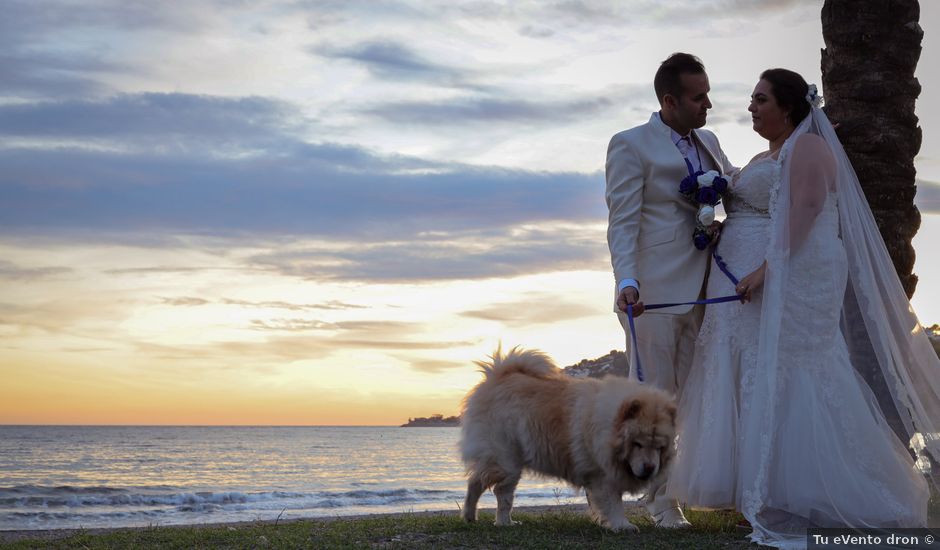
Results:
x,y
504,107
10,270
296,345
536,31
369,343
393,60
927,198
679,12
508,252
158,270
291,325
178,163
43,59
80,315
534,309
367,334
24,18
171,121
330,305
45,75
185,301
489,110
432,366
256,355
544,19
57,192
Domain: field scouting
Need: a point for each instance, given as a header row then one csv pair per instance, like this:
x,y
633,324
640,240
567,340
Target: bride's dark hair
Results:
x,y
790,89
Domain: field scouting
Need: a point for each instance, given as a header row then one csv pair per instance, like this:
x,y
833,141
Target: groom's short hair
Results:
x,y
668,79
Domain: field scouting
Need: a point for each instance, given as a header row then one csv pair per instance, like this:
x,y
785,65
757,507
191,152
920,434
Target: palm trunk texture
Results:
x,y
872,49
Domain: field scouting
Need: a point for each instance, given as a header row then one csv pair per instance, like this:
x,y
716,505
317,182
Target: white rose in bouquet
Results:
x,y
706,179
706,215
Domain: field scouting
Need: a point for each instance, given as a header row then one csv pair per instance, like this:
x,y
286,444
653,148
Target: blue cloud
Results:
x,y
177,163
479,254
390,59
137,117
37,75
486,109
43,59
301,193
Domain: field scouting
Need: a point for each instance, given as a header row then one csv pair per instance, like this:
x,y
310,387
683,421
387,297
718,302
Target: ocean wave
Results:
x,y
204,501
123,497
130,509
67,477
63,489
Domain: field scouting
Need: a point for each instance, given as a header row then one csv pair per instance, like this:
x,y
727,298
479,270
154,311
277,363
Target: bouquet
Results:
x,y
704,189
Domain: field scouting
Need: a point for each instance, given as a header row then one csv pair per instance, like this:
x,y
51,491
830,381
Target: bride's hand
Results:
x,y
753,281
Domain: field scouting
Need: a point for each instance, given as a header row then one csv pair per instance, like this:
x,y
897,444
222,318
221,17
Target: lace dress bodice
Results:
x,y
818,264
751,188
743,246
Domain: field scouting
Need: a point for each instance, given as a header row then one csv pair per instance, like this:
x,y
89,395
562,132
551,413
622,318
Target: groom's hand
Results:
x,y
630,296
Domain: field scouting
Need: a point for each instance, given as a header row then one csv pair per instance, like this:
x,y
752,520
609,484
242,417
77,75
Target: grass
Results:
x,y
550,530
553,528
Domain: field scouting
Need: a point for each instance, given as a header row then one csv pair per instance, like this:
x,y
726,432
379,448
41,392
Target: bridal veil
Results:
x,y
887,347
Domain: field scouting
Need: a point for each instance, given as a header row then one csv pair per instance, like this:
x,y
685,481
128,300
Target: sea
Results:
x,y
67,477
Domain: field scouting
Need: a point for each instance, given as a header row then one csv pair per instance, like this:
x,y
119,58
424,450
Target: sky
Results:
x,y
322,212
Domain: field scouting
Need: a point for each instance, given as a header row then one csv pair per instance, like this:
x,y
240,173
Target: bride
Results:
x,y
807,403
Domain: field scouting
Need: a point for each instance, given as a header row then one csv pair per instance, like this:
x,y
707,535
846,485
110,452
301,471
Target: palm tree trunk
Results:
x,y
872,49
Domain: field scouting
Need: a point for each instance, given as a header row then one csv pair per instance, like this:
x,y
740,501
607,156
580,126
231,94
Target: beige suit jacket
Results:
x,y
650,223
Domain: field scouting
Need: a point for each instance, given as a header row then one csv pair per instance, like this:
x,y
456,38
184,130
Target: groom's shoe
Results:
x,y
671,518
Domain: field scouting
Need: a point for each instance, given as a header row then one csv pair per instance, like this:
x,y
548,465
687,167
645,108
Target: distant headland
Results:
x,y
614,362
435,421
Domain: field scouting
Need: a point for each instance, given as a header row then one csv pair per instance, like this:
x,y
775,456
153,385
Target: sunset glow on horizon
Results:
x,y
304,214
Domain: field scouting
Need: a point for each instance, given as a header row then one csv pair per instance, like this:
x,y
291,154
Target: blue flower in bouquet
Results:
x,y
701,238
689,184
707,195
720,184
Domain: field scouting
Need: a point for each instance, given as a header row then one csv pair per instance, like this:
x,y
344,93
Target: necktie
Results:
x,y
688,151
684,145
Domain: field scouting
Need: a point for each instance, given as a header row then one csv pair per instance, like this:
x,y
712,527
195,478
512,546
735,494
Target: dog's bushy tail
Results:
x,y
530,362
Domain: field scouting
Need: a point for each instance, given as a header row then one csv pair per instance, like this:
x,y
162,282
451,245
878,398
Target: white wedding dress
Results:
x,y
828,458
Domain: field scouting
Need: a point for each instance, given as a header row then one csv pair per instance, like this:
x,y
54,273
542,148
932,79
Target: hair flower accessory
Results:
x,y
705,190
813,96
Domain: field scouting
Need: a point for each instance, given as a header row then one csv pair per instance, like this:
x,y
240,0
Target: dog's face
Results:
x,y
644,437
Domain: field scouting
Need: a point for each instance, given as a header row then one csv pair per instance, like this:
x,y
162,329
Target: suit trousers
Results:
x,y
666,343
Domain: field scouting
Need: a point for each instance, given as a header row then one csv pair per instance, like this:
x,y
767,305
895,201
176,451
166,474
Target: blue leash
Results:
x,y
723,266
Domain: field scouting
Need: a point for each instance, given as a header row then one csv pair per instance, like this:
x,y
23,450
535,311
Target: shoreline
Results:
x,y
11,536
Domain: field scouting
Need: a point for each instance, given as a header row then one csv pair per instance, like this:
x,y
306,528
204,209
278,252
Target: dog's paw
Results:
x,y
625,527
671,518
506,523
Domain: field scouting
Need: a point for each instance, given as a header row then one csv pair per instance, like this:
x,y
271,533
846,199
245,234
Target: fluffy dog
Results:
x,y
606,436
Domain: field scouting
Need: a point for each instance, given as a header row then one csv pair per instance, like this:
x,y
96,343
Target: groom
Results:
x,y
650,233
